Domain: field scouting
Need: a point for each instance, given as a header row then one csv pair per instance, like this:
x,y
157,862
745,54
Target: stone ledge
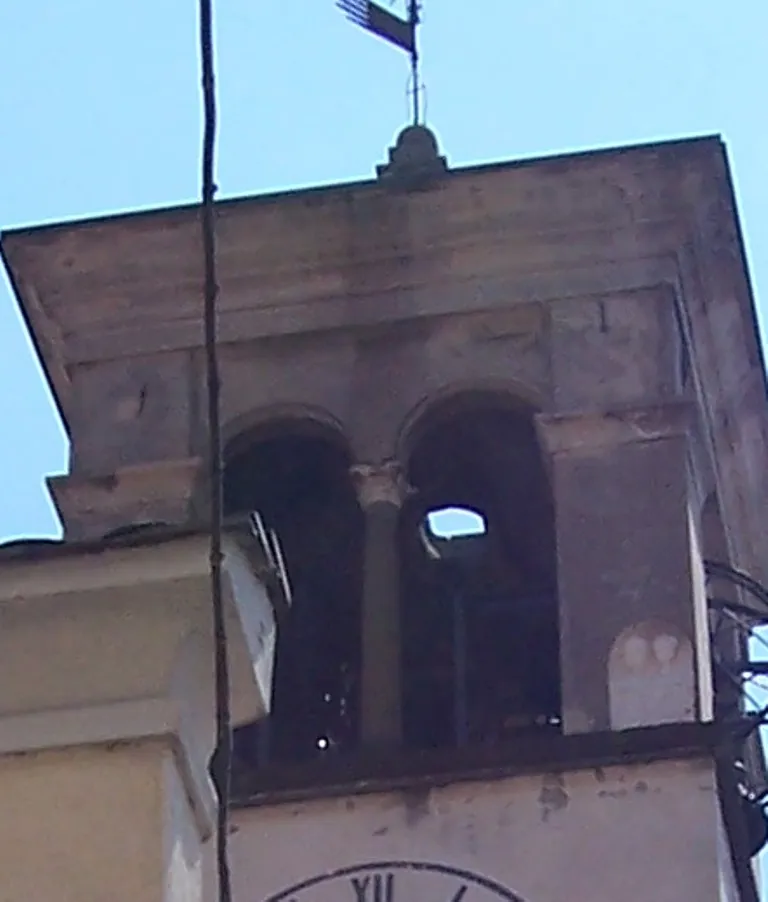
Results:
x,y
545,752
593,431
90,506
130,721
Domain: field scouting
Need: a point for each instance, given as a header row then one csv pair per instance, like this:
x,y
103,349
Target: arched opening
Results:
x,y
298,480
478,582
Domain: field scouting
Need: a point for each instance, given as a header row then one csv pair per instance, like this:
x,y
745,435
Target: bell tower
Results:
x,y
509,425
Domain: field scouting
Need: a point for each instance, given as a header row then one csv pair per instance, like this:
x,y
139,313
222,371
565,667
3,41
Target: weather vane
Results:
x,y
400,32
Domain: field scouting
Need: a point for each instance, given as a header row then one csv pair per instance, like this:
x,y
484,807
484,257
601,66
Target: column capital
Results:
x,y
381,483
588,432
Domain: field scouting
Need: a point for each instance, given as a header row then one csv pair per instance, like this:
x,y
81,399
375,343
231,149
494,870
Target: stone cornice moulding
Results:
x,y
88,725
110,724
352,309
102,570
157,492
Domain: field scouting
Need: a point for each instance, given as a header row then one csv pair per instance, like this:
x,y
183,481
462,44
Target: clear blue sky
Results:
x,y
101,113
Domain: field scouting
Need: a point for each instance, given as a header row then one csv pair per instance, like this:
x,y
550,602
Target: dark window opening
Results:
x,y
300,484
479,603
479,638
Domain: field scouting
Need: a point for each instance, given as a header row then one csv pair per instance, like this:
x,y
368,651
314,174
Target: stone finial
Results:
x,y
414,161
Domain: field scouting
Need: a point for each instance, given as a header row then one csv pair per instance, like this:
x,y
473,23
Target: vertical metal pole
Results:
x,y
222,763
459,659
414,18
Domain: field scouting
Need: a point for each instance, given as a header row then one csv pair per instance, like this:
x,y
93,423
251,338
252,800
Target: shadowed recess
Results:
x,y
480,622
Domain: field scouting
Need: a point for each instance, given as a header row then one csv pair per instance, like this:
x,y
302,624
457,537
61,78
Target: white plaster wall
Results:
x,y
627,833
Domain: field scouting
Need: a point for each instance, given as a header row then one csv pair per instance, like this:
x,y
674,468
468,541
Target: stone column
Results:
x,y
619,481
381,489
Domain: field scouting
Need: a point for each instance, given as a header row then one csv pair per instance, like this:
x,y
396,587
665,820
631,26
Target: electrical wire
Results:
x,y
718,570
222,760
745,618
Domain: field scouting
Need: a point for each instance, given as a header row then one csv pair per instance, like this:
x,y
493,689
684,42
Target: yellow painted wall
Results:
x,y
96,824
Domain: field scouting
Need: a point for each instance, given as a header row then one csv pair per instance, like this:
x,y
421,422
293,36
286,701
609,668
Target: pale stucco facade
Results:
x,y
639,832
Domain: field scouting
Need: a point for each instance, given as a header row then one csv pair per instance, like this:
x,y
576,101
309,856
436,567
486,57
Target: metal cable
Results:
x,y
719,570
746,625
222,759
746,619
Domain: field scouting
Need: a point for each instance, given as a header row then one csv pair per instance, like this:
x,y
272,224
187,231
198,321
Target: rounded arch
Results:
x,y
292,465
457,396
479,611
266,424
445,431
275,419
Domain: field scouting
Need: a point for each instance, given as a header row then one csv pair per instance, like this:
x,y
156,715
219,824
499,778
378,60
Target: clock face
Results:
x,y
397,881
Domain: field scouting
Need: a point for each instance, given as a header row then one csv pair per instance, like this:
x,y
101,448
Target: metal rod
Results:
x,y
460,704
222,762
414,19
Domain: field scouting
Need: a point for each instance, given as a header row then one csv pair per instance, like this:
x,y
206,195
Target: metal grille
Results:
x,y
738,618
